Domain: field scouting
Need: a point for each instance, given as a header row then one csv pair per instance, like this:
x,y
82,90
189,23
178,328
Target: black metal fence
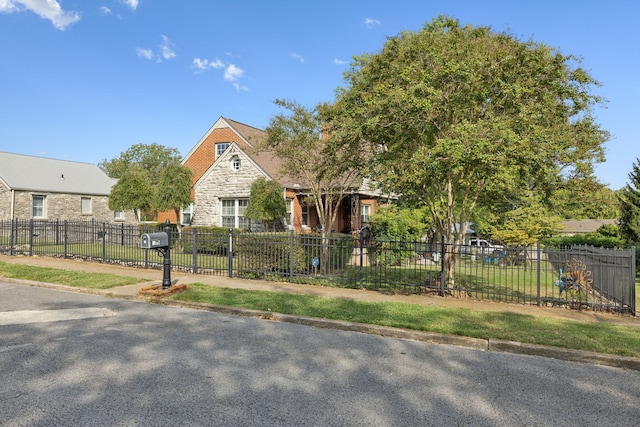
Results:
x,y
578,277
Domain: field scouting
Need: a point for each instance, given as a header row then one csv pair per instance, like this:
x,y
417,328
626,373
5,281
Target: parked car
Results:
x,y
480,247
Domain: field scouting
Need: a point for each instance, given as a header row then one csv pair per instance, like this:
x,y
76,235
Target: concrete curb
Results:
x,y
491,345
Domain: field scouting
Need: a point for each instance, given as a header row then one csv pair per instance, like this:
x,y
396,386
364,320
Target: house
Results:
x,y
572,227
226,161
42,189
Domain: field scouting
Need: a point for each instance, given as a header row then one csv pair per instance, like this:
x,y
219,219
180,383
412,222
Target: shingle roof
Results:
x,y
30,173
573,226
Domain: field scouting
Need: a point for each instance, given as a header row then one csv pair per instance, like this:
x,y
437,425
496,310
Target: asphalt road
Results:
x,y
73,359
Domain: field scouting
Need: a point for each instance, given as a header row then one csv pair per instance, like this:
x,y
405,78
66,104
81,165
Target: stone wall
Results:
x,y
60,206
223,182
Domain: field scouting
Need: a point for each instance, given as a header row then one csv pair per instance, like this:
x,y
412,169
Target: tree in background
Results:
x,y
584,198
173,191
266,202
630,206
296,136
140,171
527,224
401,224
454,117
132,192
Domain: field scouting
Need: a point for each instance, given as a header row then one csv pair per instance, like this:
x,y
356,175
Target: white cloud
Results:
x,y
47,9
204,64
166,51
233,74
145,53
105,10
133,4
166,48
370,22
297,56
339,61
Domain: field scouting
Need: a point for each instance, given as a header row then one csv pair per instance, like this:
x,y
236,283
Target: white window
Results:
x,y
38,207
305,215
118,216
221,147
365,213
235,163
85,205
187,215
289,217
233,213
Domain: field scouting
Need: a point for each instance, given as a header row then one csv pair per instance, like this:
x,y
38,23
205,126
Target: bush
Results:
x,y
590,239
269,252
340,247
209,240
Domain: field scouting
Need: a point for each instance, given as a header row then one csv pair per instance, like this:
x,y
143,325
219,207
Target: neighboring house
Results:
x,y
48,189
226,161
571,227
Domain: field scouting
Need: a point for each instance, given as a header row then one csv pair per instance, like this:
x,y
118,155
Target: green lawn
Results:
x,y
598,337
80,279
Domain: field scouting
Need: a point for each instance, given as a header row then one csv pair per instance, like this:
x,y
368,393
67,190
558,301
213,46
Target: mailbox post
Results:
x,y
161,242
166,271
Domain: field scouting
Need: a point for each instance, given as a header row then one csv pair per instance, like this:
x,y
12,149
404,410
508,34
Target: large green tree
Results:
x,y
132,191
173,191
266,202
150,178
454,117
630,206
323,169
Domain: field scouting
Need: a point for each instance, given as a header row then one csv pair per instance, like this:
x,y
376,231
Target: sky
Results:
x,y
86,80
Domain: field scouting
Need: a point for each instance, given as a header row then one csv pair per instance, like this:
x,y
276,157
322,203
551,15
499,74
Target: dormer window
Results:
x,y
221,147
235,163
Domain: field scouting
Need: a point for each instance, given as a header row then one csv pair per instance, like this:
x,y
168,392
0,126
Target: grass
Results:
x,y
80,279
597,337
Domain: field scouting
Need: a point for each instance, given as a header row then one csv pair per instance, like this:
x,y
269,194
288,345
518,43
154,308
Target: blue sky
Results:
x,y
85,80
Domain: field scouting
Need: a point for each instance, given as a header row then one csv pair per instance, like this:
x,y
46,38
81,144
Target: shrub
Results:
x,y
340,247
209,240
269,252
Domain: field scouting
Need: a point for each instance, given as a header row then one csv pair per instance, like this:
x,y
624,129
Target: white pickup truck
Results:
x,y
480,247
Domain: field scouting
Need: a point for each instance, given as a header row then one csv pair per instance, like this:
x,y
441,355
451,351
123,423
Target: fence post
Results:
x,y
230,253
11,237
146,252
104,242
442,272
65,233
361,242
538,253
632,281
291,254
31,231
194,251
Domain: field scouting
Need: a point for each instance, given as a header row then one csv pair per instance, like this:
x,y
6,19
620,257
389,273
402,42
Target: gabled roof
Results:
x,y
232,151
254,140
249,135
30,173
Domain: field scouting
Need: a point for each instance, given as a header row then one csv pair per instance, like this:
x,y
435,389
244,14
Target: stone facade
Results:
x,y
59,207
226,179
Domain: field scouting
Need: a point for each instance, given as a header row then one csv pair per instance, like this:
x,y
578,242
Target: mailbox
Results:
x,y
154,240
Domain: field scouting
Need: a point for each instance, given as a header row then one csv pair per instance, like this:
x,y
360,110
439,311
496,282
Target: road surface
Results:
x,y
74,359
